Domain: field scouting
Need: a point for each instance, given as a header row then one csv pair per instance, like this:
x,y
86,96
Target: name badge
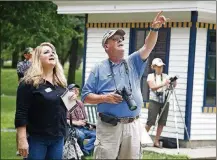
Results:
x,y
48,90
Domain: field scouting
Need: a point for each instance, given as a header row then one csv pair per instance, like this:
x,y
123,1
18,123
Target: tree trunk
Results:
x,y
1,62
62,62
79,60
15,57
72,60
22,58
64,57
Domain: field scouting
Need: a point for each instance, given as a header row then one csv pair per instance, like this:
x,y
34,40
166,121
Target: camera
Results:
x,y
159,93
89,125
173,79
127,96
160,96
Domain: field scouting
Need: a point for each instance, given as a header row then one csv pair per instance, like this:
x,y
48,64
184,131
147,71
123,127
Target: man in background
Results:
x,y
22,67
79,120
25,64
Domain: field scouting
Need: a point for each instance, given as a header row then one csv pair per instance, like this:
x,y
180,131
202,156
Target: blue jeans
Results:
x,y
84,133
45,147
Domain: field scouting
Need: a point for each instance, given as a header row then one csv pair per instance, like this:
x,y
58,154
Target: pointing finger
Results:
x,y
158,15
164,18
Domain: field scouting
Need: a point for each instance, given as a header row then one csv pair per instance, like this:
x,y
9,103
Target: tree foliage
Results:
x,y
26,23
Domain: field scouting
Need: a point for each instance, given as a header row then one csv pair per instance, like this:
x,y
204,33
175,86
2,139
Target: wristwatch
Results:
x,y
154,29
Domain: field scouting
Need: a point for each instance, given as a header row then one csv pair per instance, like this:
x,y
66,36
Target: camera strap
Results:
x,y
126,70
155,77
156,80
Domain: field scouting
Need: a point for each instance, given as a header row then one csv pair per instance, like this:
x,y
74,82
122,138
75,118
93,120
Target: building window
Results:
x,y
161,50
210,76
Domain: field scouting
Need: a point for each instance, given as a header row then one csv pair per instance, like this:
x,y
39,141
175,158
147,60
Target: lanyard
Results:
x,y
156,80
160,76
127,72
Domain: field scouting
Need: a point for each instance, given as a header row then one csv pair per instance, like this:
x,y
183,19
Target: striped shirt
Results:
x,y
22,68
78,113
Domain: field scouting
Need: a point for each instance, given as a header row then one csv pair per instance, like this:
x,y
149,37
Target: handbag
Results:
x,y
169,142
71,149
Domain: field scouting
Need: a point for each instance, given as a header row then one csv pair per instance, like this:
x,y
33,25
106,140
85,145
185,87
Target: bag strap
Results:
x,y
70,119
72,138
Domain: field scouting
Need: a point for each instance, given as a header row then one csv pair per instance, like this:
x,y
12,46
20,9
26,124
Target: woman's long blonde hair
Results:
x,y
34,74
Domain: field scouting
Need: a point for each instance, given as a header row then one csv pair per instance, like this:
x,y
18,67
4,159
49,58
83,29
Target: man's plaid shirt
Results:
x,y
78,113
22,67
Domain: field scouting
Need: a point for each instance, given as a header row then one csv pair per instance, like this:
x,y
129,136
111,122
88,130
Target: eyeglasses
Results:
x,y
117,39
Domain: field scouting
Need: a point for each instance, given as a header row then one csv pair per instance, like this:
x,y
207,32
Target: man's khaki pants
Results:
x,y
121,141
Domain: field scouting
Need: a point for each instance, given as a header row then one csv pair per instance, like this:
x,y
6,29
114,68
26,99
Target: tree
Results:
x,y
76,45
26,23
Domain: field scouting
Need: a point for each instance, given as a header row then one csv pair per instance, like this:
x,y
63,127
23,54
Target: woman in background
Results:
x,y
158,83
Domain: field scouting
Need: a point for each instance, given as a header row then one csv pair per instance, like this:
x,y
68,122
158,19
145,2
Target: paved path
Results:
x,y
195,153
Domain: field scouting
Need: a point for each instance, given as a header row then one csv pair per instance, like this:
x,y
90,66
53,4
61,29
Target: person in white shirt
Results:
x,y
158,83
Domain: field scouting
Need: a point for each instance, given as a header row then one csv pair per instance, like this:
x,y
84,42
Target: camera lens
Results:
x,y
132,104
132,108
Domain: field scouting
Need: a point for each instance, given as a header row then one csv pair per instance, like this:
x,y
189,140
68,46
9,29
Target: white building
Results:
x,y
187,44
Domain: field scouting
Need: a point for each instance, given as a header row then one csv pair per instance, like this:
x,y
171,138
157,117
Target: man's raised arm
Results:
x,y
151,39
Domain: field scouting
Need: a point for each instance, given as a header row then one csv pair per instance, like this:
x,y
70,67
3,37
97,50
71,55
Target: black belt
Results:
x,y
128,119
114,120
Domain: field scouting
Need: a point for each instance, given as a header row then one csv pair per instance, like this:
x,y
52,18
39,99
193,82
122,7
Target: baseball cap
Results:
x,y
71,86
157,62
110,33
28,50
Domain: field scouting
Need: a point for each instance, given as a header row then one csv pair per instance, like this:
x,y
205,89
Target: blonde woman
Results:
x,y
40,111
158,83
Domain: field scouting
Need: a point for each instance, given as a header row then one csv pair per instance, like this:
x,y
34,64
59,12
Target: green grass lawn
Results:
x,y
153,155
8,145
9,81
8,106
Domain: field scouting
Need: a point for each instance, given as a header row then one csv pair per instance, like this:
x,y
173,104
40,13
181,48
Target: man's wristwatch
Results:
x,y
154,29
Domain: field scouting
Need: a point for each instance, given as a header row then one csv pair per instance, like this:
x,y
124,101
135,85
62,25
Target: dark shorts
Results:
x,y
154,109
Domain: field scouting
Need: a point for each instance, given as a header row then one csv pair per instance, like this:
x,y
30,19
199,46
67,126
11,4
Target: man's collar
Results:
x,y
25,60
115,64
